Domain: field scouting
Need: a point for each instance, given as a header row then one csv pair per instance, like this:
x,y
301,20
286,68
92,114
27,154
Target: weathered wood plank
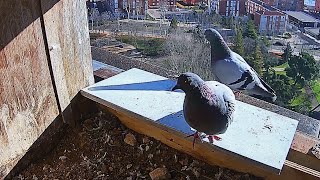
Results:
x,y
69,42
27,101
27,97
299,152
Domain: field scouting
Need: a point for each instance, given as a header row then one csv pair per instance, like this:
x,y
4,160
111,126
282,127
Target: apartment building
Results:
x,y
168,4
267,18
291,5
270,22
229,7
317,6
133,8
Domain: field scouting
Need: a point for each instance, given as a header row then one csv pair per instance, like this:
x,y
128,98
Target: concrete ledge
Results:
x,y
257,136
291,170
307,125
302,141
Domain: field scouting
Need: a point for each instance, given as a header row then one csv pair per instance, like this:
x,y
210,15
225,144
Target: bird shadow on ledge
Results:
x,y
177,122
161,85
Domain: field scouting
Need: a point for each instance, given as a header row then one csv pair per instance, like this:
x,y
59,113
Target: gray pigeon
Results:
x,y
231,69
208,106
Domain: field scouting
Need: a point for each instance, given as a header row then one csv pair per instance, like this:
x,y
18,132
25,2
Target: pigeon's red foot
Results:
x,y
213,137
195,136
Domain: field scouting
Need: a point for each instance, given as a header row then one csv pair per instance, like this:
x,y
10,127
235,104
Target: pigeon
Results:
x,y
232,70
208,105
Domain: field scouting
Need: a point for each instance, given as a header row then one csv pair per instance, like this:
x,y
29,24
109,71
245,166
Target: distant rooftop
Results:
x,y
313,30
271,13
301,16
265,5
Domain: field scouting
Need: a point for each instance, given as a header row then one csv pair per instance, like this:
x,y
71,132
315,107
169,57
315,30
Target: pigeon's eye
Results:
x,y
185,81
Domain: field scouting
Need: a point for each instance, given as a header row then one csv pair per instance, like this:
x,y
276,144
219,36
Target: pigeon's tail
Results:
x,y
264,90
268,99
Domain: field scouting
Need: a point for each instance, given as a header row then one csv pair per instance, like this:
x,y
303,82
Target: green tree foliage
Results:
x,y
215,19
174,23
228,22
270,61
282,86
239,42
302,103
251,30
302,68
287,54
265,41
256,59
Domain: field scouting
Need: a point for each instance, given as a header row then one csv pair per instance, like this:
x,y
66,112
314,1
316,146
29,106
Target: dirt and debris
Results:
x,y
98,150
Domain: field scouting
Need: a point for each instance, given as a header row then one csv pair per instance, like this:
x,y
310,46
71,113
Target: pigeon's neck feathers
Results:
x,y
219,50
202,92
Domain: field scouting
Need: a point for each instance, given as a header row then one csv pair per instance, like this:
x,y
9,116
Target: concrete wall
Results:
x,y
45,60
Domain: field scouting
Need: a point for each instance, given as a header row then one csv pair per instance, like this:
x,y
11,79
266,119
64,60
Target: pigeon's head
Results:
x,y
212,35
187,82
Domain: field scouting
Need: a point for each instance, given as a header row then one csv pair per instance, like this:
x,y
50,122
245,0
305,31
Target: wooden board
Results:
x,y
68,40
27,100
299,152
256,136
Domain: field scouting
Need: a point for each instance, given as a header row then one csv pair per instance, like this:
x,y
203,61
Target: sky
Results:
x,y
309,2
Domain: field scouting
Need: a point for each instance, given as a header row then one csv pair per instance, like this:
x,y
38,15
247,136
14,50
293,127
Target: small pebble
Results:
x,y
145,140
62,158
130,139
150,156
129,166
160,174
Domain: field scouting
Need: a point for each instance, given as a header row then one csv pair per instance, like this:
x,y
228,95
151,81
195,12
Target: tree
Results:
x,y
251,30
265,41
239,42
256,59
281,85
302,68
184,52
287,54
174,23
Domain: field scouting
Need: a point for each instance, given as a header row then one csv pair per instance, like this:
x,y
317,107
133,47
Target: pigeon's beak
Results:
x,y
176,87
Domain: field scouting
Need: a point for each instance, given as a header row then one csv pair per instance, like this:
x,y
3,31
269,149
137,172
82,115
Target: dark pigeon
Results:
x,y
208,106
232,70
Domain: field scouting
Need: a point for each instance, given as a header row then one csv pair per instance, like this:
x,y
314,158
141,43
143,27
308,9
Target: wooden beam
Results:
x,y
204,152
299,151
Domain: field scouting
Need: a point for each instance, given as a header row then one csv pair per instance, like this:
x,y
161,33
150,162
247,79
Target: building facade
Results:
x,y
229,7
252,6
271,2
270,22
317,6
131,8
290,5
167,4
267,18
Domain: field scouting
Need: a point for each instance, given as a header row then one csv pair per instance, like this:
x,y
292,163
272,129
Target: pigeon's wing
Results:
x,y
248,79
226,98
233,72
258,86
